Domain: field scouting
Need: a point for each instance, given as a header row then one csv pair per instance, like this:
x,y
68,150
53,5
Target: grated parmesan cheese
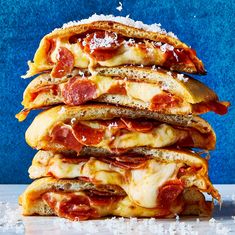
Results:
x,y
105,42
120,19
154,67
81,73
73,120
166,47
169,73
11,219
112,124
119,8
165,86
182,78
233,197
62,110
151,226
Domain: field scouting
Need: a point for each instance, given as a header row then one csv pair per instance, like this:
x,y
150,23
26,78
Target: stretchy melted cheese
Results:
x,y
141,184
80,58
115,138
163,135
120,207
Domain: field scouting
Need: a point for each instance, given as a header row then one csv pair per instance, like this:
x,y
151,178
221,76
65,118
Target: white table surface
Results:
x,y
223,221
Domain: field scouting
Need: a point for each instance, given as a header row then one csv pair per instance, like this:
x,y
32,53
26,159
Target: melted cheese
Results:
x,y
143,189
160,136
141,185
144,92
127,55
81,59
123,207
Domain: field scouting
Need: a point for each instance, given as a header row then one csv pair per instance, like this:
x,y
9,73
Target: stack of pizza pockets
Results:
x,y
120,123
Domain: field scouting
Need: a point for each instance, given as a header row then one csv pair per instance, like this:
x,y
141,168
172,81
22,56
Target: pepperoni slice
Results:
x,y
169,192
64,135
137,125
102,200
78,91
215,106
102,45
64,64
164,101
75,160
119,89
87,135
176,56
73,207
48,88
51,44
127,161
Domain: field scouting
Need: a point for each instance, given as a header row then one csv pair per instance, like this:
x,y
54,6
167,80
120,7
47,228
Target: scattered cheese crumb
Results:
x,y
121,226
120,19
212,221
165,86
73,120
81,73
166,47
220,229
129,42
11,220
112,124
62,110
169,73
157,44
176,56
119,8
233,217
233,197
154,67
105,42
182,78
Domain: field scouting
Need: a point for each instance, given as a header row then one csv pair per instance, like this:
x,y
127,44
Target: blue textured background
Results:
x,y
208,26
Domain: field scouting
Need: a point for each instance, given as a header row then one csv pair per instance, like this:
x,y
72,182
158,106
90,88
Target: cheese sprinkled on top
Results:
x,y
182,78
119,8
123,20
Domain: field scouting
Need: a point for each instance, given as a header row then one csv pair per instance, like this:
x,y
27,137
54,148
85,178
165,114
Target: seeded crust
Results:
x,y
44,122
33,204
40,63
